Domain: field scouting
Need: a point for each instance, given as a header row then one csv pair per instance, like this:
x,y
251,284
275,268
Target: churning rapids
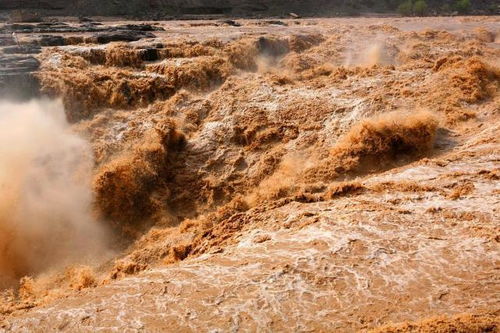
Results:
x,y
313,175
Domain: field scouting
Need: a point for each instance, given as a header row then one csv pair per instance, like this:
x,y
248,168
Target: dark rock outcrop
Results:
x,y
24,49
16,77
119,36
48,40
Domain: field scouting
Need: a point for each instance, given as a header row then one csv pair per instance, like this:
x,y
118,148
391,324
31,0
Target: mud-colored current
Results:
x,y
317,175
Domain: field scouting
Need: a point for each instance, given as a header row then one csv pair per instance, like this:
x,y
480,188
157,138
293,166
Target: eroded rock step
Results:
x,y
17,61
16,76
59,27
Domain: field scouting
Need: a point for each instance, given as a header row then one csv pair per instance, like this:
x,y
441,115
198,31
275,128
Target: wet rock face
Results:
x,y
38,27
48,40
119,36
16,76
29,49
59,27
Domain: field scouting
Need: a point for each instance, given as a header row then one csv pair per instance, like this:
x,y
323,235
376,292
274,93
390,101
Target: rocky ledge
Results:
x,y
16,76
19,44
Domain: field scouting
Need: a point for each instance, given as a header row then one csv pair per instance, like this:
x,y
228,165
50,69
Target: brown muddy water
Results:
x,y
310,175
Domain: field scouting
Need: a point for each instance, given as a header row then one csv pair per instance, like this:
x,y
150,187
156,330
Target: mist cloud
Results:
x,y
45,192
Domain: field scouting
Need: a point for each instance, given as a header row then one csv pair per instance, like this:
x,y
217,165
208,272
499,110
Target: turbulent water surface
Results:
x,y
306,175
